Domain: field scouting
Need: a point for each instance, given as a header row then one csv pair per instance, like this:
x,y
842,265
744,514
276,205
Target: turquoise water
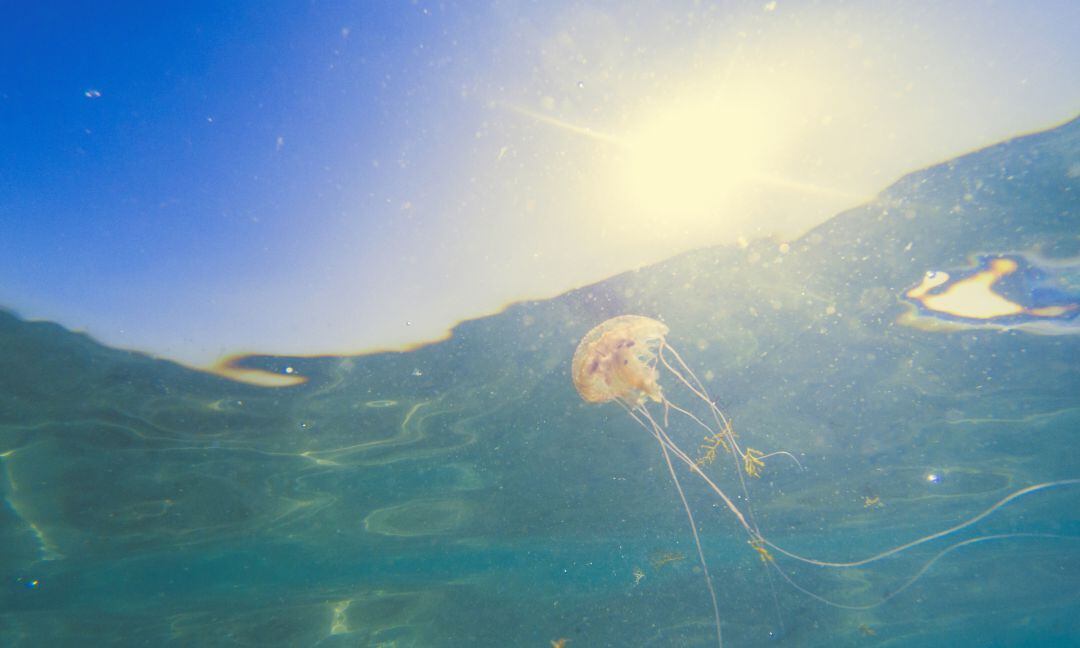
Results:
x,y
463,494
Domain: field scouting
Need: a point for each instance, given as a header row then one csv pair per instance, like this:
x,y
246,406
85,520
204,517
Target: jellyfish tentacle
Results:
x,y
690,464
759,540
750,457
620,360
758,537
702,393
920,572
890,552
660,438
927,538
697,545
750,461
699,390
751,527
688,414
745,460
783,453
721,421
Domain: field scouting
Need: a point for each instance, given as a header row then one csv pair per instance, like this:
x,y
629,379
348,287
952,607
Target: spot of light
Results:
x,y
734,147
703,158
692,155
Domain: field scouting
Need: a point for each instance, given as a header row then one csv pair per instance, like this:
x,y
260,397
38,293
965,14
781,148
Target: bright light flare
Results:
x,y
689,157
741,146
701,158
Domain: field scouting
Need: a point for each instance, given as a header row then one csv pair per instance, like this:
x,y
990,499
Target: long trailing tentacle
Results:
x,y
721,419
748,461
694,467
757,537
927,538
690,415
921,571
894,550
698,390
660,438
665,441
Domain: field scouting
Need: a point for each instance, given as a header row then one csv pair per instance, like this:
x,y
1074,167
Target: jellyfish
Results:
x,y
623,359
619,361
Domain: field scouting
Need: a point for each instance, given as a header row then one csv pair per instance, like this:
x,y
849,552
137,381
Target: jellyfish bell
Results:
x,y
620,360
617,359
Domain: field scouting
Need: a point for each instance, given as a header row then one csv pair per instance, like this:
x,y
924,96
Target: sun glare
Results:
x,y
698,155
693,154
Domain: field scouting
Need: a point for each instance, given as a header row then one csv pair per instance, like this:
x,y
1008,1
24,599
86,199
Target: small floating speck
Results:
x,y
92,93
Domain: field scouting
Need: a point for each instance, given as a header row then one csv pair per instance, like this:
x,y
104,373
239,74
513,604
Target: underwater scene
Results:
x,y
872,427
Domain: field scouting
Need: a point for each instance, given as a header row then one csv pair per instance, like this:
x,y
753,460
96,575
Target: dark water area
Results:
x,y
464,495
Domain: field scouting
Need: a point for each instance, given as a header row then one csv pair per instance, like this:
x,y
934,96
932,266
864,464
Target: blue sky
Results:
x,y
199,179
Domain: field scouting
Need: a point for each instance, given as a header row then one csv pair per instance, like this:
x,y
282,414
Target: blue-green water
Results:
x,y
463,494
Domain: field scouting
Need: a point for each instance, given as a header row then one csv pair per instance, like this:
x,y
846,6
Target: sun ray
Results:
x,y
685,148
567,126
804,187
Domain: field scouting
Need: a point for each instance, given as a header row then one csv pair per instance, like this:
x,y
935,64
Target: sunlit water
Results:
x,y
463,494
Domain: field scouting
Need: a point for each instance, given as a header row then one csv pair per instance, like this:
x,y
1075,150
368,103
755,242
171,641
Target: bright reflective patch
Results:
x,y
999,291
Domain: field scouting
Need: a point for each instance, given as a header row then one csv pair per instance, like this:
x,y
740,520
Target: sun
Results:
x,y
715,156
693,156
